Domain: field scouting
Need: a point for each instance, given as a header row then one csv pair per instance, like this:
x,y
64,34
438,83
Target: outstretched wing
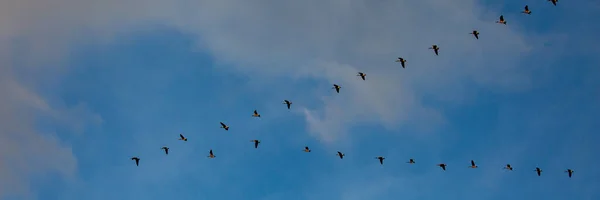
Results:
x,y
181,136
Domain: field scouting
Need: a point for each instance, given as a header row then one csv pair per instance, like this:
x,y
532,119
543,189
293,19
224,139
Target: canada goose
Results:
x,y
306,149
475,33
570,171
341,155
526,10
443,166
473,164
210,154
501,21
402,61
182,138
435,49
337,88
288,103
362,75
223,126
411,161
553,2
137,160
538,171
255,114
508,167
381,158
256,142
166,150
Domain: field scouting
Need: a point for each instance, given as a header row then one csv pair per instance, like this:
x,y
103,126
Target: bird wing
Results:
x,y
222,124
472,163
181,136
306,148
210,152
255,112
526,7
501,17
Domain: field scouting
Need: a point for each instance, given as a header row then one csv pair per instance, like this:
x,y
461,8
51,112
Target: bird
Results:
x,y
166,150
508,167
255,114
256,142
210,154
435,49
570,171
182,138
362,75
553,2
473,164
381,158
306,149
538,171
443,166
288,103
223,126
411,161
501,21
337,88
137,160
402,61
475,33
341,155
526,10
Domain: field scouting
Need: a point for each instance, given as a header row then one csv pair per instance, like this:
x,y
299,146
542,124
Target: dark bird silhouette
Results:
x,y
435,49
137,160
223,126
255,114
256,142
337,88
210,154
501,21
538,171
341,155
362,75
526,10
306,149
381,158
166,150
473,164
443,166
570,171
402,62
508,167
288,103
182,138
411,161
553,2
475,33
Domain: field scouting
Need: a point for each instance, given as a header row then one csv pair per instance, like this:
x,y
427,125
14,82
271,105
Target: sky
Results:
x,y
85,85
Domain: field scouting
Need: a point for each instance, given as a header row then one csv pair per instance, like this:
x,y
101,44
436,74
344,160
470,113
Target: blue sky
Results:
x,y
117,80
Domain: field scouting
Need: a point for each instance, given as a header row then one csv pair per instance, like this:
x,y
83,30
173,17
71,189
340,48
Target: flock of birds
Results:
x,y
362,75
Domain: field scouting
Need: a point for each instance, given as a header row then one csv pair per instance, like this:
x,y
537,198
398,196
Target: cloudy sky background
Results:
x,y
85,85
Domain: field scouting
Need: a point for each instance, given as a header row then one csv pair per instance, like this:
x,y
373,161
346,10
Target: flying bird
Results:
x,y
288,103
341,155
381,158
508,167
435,49
473,164
526,10
255,114
362,75
475,33
182,138
411,161
538,171
256,142
210,154
570,171
553,2
501,21
166,150
443,166
137,160
402,61
223,126
337,88
306,149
